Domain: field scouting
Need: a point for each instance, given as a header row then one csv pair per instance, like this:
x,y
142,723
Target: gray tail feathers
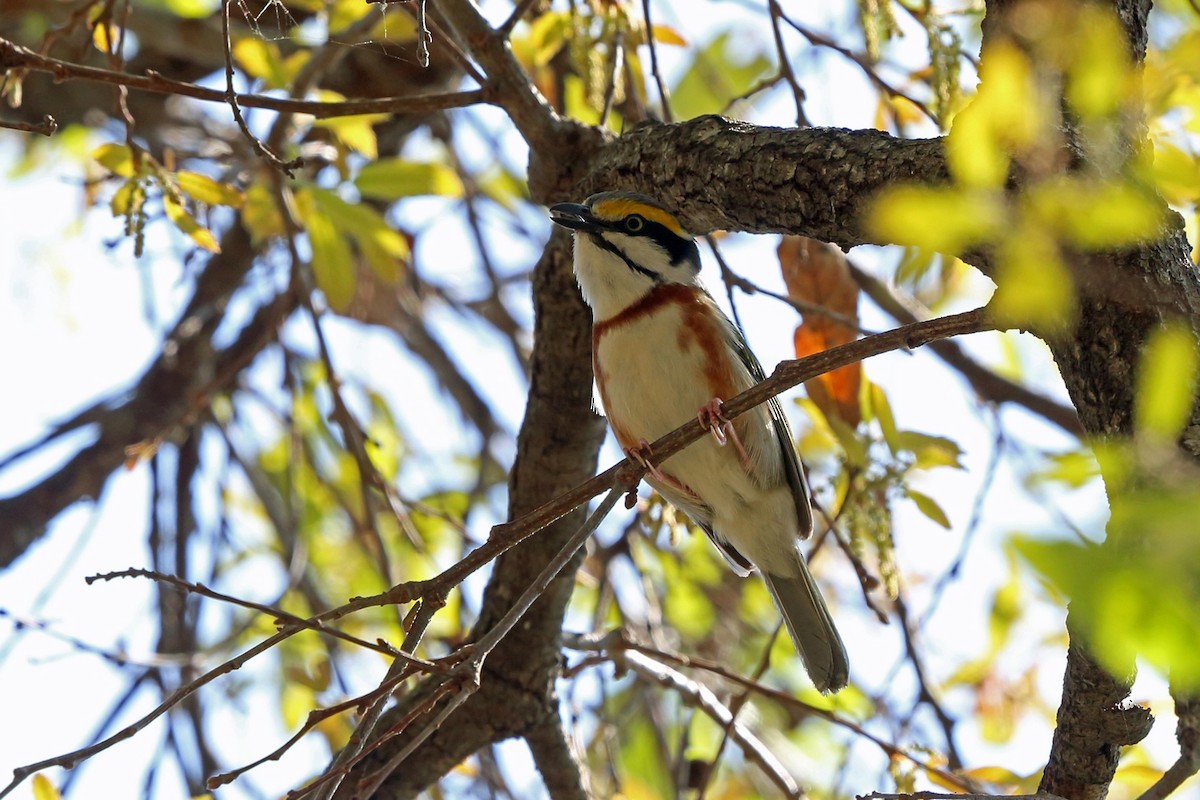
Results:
x,y
811,627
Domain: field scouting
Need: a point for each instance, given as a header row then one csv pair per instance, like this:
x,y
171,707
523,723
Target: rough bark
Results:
x,y
556,449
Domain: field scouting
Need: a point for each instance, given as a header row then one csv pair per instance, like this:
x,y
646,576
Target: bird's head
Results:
x,y
625,245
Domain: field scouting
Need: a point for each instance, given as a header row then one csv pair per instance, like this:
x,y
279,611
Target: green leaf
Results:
x,y
930,451
204,189
1074,468
332,262
394,178
881,410
726,68
929,507
384,249
1166,383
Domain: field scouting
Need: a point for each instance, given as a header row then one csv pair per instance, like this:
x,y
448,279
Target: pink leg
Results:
x,y
712,417
641,454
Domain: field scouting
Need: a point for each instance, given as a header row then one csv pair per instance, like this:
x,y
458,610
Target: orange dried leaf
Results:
x,y
817,274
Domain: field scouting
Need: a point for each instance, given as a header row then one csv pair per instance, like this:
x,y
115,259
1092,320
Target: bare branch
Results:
x,y
14,56
46,127
700,696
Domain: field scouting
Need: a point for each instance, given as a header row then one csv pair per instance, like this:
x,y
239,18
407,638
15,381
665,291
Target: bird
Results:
x,y
663,352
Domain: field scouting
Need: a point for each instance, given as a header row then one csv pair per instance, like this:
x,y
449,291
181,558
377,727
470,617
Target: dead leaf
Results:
x,y
817,274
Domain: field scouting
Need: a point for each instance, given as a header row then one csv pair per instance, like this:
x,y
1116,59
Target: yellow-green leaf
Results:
x,y
356,131
929,507
260,213
383,248
204,189
332,262
1166,383
881,410
393,178
946,220
199,234
930,451
1098,78
262,60
665,34
116,158
1033,286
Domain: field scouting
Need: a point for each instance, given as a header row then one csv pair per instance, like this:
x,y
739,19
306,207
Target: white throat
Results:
x,y
609,285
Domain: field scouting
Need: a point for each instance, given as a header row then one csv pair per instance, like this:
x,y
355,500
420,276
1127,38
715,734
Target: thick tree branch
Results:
x,y
177,388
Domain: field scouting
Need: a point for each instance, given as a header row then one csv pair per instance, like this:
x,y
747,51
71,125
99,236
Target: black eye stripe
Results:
x,y
680,251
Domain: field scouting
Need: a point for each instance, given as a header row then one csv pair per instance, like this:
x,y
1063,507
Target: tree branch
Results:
x,y
14,56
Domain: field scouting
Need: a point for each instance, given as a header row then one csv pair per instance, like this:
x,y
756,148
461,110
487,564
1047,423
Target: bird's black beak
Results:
x,y
573,215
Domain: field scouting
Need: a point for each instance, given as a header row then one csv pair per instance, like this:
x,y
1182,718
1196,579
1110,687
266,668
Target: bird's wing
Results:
x,y
783,432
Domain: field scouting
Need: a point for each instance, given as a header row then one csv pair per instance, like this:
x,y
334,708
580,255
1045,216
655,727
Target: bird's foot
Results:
x,y
641,454
712,417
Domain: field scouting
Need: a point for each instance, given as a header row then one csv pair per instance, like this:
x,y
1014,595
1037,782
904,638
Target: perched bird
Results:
x,y
663,352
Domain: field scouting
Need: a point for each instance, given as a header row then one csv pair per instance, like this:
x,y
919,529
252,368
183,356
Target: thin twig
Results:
x,y
15,56
785,64
619,639
700,696
663,95
734,708
518,13
46,127
924,692
264,152
277,614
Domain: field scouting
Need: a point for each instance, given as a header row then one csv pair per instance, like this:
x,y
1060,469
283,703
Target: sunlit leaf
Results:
x,y
383,248
116,158
394,178
1074,468
930,451
1033,286
1176,173
192,9
105,37
1098,78
929,507
1166,383
665,34
332,262
185,222
881,412
43,789
260,59
205,190
946,220
260,213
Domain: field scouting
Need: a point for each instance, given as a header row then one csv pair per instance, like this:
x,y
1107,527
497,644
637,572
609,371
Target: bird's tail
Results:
x,y
811,627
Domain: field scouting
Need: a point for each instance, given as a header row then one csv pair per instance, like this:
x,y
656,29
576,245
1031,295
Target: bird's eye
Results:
x,y
634,223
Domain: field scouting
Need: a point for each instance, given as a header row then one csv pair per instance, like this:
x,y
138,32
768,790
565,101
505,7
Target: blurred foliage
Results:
x,y
314,511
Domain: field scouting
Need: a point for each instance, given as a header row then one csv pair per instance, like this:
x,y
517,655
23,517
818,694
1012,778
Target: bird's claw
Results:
x,y
641,454
712,417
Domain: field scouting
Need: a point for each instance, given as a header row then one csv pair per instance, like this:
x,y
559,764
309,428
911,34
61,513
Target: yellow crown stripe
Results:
x,y
621,207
